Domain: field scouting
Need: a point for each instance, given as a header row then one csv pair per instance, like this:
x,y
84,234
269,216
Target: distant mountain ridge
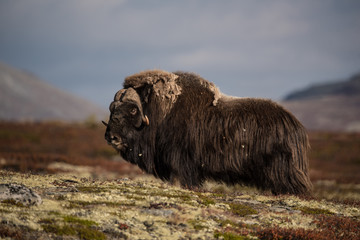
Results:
x,y
23,96
350,87
331,106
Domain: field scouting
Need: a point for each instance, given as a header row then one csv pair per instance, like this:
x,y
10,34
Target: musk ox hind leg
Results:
x,y
283,176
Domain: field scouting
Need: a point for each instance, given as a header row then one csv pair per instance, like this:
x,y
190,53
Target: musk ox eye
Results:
x,y
133,111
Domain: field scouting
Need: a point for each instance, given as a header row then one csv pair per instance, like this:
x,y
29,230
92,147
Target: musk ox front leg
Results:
x,y
182,166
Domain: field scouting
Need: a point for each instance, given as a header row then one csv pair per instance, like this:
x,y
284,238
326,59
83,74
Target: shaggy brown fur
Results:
x,y
182,127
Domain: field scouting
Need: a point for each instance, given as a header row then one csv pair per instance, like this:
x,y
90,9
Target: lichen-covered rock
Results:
x,y
20,194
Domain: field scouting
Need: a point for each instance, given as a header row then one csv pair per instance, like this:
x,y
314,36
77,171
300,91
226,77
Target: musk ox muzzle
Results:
x,y
179,126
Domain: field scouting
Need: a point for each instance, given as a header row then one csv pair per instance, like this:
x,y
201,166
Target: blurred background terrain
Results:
x,y
332,106
24,97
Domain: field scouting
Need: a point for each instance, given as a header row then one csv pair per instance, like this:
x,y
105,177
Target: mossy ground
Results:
x,y
241,209
309,210
83,208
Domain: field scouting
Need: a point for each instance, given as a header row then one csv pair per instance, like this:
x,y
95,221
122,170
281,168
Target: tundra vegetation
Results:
x,y
89,193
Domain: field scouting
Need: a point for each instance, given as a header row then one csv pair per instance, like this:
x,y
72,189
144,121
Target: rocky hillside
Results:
x,y
68,207
25,97
332,106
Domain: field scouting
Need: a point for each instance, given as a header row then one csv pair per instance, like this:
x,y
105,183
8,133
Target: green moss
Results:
x,y
197,224
12,202
54,213
47,221
229,236
309,210
84,222
60,197
134,197
72,226
84,189
241,210
224,223
74,230
77,204
218,195
89,233
69,219
59,230
182,196
206,200
4,211
117,214
177,194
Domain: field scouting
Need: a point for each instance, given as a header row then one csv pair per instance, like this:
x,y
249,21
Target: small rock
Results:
x,y
251,222
20,194
149,225
183,225
159,212
69,181
280,209
253,202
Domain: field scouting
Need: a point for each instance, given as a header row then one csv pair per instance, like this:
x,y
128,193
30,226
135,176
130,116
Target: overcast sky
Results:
x,y
247,48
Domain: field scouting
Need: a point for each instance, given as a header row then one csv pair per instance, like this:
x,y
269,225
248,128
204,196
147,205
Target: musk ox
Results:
x,y
180,126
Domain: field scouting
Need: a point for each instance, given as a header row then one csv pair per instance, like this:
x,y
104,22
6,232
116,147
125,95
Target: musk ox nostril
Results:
x,y
108,136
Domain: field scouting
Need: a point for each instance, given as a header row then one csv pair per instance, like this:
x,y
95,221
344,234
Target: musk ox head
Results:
x,y
126,119
127,114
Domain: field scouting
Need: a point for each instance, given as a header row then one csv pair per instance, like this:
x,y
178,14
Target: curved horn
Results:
x,y
119,94
146,120
104,123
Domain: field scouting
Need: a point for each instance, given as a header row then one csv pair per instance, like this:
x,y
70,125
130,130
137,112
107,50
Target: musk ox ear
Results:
x,y
162,83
